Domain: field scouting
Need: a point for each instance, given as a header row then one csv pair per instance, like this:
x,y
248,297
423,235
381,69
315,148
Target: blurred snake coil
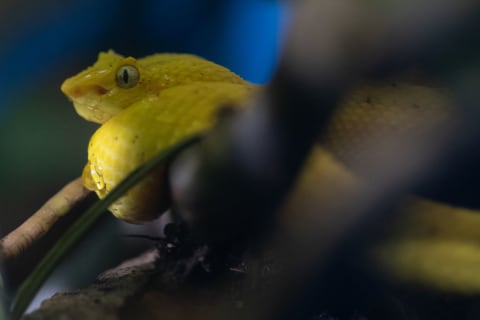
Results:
x,y
146,105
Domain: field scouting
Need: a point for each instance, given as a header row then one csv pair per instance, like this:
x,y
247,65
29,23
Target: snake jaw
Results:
x,y
86,100
91,112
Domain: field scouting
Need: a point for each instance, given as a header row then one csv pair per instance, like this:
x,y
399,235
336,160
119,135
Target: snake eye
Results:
x,y
127,76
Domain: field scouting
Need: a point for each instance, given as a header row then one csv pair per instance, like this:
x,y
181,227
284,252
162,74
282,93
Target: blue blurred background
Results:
x,y
42,140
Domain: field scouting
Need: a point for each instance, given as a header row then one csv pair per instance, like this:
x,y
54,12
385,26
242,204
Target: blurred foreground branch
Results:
x,y
252,159
229,186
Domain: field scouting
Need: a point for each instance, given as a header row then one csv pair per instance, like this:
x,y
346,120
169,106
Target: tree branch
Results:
x,y
42,220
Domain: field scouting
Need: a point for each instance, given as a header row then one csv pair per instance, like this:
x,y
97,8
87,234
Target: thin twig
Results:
x,y
42,221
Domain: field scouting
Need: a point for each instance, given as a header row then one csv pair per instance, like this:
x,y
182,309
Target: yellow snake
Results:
x,y
148,104
145,106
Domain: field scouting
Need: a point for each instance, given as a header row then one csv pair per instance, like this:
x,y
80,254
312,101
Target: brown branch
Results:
x,y
41,221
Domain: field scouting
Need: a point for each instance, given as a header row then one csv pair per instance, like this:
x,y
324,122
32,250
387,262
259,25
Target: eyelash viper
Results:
x,y
148,104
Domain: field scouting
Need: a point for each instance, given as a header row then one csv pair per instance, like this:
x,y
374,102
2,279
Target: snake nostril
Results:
x,y
99,90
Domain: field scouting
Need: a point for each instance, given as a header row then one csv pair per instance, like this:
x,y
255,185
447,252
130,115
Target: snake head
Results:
x,y
102,90
115,82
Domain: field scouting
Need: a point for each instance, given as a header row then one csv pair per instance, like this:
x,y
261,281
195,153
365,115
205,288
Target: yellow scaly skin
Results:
x,y
97,96
137,133
177,94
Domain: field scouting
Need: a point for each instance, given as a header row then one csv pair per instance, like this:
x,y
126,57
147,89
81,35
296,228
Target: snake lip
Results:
x,y
81,91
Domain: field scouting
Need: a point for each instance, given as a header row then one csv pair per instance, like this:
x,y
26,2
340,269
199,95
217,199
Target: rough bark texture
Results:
x,y
105,298
163,283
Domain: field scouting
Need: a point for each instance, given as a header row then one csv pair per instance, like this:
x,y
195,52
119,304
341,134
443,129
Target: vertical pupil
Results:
x,y
125,76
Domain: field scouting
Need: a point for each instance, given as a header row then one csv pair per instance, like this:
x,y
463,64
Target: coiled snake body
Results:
x,y
148,104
